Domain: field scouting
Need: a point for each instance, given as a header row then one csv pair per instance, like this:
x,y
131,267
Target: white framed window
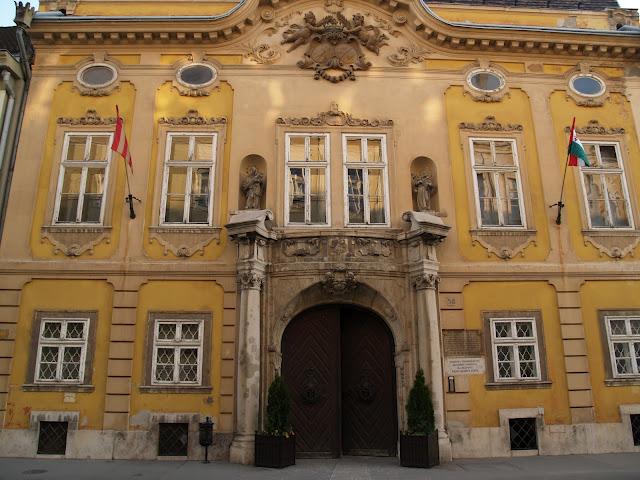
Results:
x,y
307,179
365,179
62,349
623,336
604,187
83,179
187,183
514,342
496,181
177,352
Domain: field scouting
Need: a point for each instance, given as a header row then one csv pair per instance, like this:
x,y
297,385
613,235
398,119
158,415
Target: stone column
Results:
x,y
430,353
248,367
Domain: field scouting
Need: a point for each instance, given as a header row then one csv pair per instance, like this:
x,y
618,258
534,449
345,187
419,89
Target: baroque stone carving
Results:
x,y
491,125
423,187
407,55
73,241
89,118
250,280
334,51
333,6
400,17
504,244
262,53
193,118
184,241
301,248
333,118
426,281
338,246
594,128
368,247
614,246
252,187
339,281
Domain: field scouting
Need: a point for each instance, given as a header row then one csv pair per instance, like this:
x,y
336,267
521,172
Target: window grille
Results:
x,y
177,352
497,184
635,429
62,349
173,439
515,349
623,335
83,179
52,438
187,186
605,188
523,434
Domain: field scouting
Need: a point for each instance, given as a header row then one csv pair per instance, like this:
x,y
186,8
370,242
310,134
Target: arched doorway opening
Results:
x,y
338,362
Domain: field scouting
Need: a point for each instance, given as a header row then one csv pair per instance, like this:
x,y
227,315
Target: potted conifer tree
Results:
x,y
419,444
276,446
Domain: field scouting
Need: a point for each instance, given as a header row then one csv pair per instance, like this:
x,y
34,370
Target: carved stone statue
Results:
x,y
423,187
252,188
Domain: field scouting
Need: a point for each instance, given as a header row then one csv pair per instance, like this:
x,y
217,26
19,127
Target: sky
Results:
x,y
7,9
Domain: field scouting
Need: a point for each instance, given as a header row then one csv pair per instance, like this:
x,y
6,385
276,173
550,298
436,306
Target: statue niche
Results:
x,y
252,183
334,50
423,185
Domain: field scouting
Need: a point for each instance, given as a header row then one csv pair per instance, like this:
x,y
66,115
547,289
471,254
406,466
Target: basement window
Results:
x,y
52,438
635,429
173,439
523,433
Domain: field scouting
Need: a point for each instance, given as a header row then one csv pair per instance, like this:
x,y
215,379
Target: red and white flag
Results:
x,y
120,144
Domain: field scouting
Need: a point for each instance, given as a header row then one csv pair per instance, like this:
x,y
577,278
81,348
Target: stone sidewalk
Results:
x,y
578,467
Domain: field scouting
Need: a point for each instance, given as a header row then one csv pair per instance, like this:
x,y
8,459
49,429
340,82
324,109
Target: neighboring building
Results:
x,y
15,72
397,160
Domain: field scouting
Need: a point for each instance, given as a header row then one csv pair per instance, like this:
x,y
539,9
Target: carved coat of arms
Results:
x,y
334,50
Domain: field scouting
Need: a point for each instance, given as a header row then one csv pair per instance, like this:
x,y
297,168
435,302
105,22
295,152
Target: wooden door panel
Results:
x,y
310,368
369,421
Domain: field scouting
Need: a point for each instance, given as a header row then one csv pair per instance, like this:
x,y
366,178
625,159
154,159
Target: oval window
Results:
x,y
197,75
486,81
587,85
97,75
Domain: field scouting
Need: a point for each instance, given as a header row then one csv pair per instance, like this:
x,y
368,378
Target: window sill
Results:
x,y
186,228
622,382
610,231
76,228
56,387
498,231
518,385
175,389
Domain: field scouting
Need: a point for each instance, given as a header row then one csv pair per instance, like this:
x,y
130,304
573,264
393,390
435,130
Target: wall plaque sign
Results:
x,y
465,366
462,343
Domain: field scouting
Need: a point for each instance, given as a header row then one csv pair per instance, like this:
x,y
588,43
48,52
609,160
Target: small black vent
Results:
x,y
635,429
523,434
52,439
173,440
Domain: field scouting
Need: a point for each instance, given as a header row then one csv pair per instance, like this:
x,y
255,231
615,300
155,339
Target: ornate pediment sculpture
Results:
x,y
334,50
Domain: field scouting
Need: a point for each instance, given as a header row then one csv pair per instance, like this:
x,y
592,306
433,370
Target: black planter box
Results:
x,y
275,451
419,450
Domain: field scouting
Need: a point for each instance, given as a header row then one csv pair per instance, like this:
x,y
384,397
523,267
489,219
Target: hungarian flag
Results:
x,y
577,154
120,144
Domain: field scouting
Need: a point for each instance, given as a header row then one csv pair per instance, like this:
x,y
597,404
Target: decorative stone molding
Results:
x,y
262,53
90,118
487,96
426,281
267,14
400,17
24,14
425,225
196,90
250,280
301,247
97,90
490,125
334,44
333,118
407,55
74,240
339,281
333,6
504,244
339,246
193,118
615,245
594,128
368,247
249,223
184,241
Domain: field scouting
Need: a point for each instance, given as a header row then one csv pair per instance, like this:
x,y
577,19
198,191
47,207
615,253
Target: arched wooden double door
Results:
x,y
338,364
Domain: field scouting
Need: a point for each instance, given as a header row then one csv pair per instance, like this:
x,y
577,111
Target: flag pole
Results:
x,y
121,146
132,213
564,176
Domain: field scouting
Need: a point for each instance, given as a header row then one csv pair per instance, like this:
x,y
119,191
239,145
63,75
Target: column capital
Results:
x,y
250,280
426,281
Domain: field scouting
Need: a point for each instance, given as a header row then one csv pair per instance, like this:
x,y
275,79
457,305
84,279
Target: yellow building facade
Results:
x,y
340,191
